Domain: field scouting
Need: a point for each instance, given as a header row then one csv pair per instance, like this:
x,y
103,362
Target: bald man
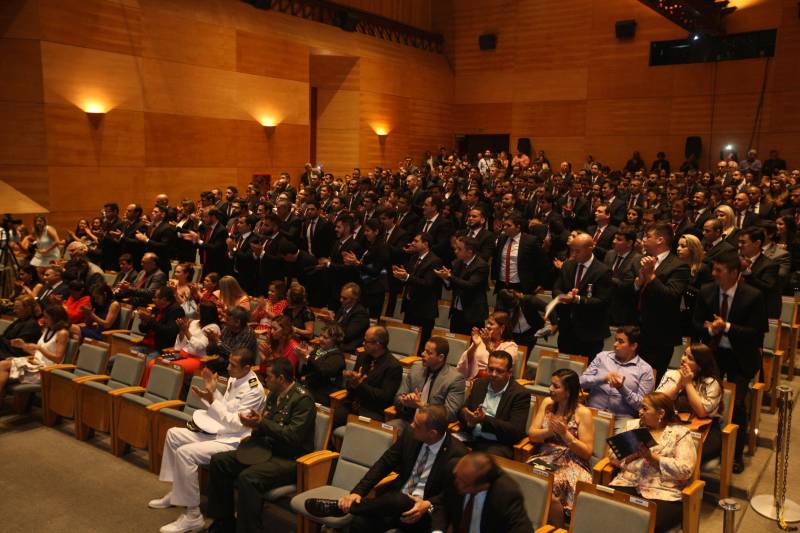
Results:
x,y
480,485
583,289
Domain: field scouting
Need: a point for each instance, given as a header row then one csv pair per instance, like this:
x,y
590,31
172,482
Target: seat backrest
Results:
x,y
109,276
728,397
549,364
165,383
603,429
787,309
363,444
520,361
771,337
193,401
458,344
71,351
127,370
125,316
536,486
350,361
597,505
135,323
532,410
322,427
403,339
92,358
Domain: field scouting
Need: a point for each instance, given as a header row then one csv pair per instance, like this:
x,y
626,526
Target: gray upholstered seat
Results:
x,y
4,323
535,487
593,512
458,345
545,369
92,360
193,401
443,318
403,340
164,384
603,427
361,448
23,391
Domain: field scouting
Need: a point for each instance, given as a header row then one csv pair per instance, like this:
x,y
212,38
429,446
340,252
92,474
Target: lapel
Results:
x,y
665,267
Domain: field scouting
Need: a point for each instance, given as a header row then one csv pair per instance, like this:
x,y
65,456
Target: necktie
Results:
x,y
597,235
579,276
740,221
723,312
426,389
427,226
386,238
617,262
631,201
140,280
311,228
419,469
205,241
509,245
466,515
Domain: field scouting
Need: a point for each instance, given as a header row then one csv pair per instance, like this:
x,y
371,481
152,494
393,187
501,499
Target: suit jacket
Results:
x,y
588,318
397,240
144,295
720,248
470,285
409,222
355,323
618,211
503,508
529,262
578,216
240,253
162,243
763,276
422,288
782,257
486,240
129,244
377,391
623,295
401,457
701,220
322,239
509,422
27,329
164,329
291,229
214,250
322,374
440,231
110,248
660,302
185,251
447,389
747,315
128,276
287,429
338,272
605,242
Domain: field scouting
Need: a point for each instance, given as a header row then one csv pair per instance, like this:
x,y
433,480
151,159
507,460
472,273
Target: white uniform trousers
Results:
x,y
184,451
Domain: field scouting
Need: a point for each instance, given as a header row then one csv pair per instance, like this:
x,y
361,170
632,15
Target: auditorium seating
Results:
x,y
603,429
403,339
536,486
549,364
722,467
60,382
93,402
23,392
121,340
363,444
133,407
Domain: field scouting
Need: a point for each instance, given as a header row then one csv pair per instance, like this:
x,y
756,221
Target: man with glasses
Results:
x,y
495,414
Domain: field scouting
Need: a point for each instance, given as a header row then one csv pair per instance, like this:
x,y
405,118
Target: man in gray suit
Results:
x,y
623,261
147,282
431,381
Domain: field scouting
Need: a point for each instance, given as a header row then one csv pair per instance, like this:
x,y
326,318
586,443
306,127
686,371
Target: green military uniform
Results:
x,y
264,460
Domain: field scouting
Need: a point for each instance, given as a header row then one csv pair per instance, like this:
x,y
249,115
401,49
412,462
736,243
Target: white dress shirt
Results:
x,y
419,488
514,269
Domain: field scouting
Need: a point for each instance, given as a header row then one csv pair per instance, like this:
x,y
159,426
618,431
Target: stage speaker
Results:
x,y
487,41
694,145
625,29
524,145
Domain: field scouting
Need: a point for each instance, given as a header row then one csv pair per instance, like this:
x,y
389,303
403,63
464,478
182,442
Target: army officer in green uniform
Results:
x,y
266,459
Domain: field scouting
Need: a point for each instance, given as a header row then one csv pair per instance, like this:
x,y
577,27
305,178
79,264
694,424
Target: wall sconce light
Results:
x,y
95,114
269,126
382,133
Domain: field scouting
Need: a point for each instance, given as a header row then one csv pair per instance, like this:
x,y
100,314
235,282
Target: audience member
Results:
x,y
321,369
24,327
496,335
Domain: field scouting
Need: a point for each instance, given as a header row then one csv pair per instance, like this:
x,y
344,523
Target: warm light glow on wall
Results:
x,y
95,108
381,132
268,122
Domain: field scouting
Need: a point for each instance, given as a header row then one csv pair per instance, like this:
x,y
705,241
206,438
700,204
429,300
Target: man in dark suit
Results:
x,y
143,288
469,280
352,317
479,482
701,211
211,239
407,219
291,223
318,234
743,216
267,458
518,258
421,286
373,382
494,415
396,239
576,208
337,273
662,279
583,289
731,318
126,235
602,232
438,227
760,271
681,225
239,246
110,248
303,267
476,229
405,503
617,208
126,271
623,261
713,241
160,238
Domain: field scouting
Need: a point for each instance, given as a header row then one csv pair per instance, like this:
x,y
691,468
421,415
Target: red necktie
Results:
x,y
579,276
597,235
508,260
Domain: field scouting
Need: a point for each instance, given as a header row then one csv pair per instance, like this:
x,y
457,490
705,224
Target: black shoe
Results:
x,y
738,465
221,526
321,507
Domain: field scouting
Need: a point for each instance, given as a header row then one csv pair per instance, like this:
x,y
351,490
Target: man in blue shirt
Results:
x,y
618,379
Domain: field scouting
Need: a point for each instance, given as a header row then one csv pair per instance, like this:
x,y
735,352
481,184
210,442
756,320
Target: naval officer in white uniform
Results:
x,y
215,429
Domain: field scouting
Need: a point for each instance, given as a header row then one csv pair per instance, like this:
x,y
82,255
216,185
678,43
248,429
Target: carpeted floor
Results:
x,y
53,483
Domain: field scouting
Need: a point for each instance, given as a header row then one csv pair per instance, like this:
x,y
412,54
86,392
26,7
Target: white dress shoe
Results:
x,y
160,503
185,523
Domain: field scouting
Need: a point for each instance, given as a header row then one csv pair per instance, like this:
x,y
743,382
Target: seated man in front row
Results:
x,y
431,381
374,380
423,457
267,458
618,379
496,412
213,430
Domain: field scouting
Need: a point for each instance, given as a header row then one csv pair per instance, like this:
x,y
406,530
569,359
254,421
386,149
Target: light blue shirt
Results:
x,y
477,511
490,404
639,381
419,488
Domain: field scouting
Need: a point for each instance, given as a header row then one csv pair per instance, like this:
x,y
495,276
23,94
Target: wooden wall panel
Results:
x,y
173,38
258,97
20,70
19,19
482,118
22,134
184,141
266,55
98,24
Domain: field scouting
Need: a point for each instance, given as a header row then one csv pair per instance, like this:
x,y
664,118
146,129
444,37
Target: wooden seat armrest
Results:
x,y
110,332
757,386
523,449
382,484
390,413
165,404
126,390
309,456
699,424
337,398
454,427
208,358
547,528
602,472
314,469
50,368
96,377
168,350
409,360
523,382
692,497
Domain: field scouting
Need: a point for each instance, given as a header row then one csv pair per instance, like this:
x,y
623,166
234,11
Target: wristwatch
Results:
x,y
430,509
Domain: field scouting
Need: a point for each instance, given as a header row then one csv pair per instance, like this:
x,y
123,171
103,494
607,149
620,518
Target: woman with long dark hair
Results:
x,y
564,432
